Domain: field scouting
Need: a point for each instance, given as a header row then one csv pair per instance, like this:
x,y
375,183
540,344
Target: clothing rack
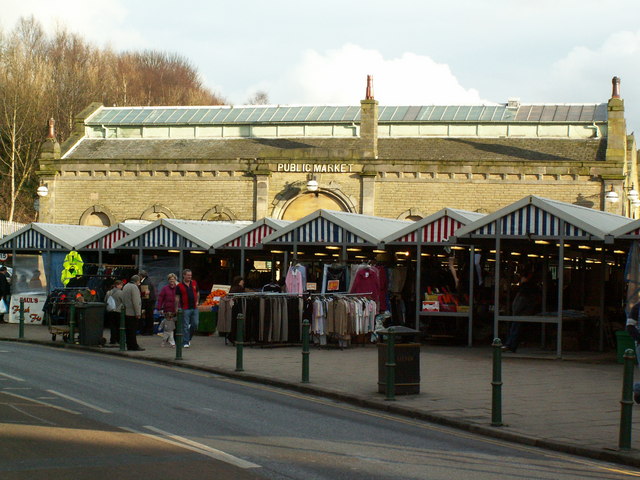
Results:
x,y
264,294
339,294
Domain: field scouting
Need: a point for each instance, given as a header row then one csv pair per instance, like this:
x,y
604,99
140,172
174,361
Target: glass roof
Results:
x,y
347,114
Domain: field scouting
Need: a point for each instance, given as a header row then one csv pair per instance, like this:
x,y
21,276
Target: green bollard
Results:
x,y
179,334
391,364
626,411
72,323
122,330
239,342
496,384
305,351
21,328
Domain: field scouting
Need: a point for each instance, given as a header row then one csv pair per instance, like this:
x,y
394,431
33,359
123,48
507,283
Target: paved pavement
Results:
x,y
570,405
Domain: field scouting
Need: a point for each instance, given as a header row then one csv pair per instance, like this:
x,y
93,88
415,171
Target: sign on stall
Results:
x,y
33,308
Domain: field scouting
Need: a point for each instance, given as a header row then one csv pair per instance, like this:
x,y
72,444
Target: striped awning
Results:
x,y
160,237
48,236
252,238
544,218
320,231
434,229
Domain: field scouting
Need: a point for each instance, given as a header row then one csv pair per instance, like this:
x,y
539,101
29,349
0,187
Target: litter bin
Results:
x,y
407,353
623,342
207,321
90,321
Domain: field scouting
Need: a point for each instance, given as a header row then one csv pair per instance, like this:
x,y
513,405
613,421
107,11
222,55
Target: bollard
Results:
x,y
305,351
122,330
72,323
239,342
391,364
21,328
626,411
179,335
496,384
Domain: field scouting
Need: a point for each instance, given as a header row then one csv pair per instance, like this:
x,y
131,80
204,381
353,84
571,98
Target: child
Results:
x,y
168,326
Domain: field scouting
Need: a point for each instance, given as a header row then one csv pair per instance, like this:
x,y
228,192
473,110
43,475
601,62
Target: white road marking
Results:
x,y
80,402
195,447
11,377
41,403
32,416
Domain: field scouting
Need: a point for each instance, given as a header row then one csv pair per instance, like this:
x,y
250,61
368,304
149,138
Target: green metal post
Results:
x,y
391,364
179,334
123,330
305,351
72,323
626,411
239,342
496,384
21,328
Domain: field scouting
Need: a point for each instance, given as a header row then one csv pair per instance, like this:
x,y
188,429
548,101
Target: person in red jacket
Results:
x,y
187,300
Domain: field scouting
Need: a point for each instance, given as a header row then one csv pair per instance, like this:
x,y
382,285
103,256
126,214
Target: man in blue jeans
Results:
x,y
187,300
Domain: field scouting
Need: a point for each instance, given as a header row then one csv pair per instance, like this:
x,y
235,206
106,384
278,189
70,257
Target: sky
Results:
x,y
420,52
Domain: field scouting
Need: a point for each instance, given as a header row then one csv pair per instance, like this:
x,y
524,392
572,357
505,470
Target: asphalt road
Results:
x,y
77,414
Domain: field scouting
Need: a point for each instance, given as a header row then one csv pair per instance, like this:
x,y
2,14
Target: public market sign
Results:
x,y
315,167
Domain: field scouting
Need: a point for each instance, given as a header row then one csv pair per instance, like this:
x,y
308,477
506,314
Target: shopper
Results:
x,y
133,310
5,290
166,306
187,300
526,302
114,310
632,329
148,293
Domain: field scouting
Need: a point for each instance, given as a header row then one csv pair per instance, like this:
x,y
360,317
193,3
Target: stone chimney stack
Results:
x,y
369,122
616,125
50,147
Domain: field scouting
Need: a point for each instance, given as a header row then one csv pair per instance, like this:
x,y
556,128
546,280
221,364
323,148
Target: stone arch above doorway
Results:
x,y
414,214
219,213
97,216
156,212
295,201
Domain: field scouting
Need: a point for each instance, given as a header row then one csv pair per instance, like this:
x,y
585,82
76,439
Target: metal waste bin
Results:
x,y
90,321
407,353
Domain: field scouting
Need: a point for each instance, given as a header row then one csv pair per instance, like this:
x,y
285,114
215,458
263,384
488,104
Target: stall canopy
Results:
x,y
251,235
179,235
48,236
535,218
324,227
434,229
105,239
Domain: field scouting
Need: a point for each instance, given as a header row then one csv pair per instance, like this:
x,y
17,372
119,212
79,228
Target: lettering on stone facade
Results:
x,y
315,168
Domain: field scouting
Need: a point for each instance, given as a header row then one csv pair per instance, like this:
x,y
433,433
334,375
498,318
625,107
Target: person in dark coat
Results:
x,y
5,289
148,294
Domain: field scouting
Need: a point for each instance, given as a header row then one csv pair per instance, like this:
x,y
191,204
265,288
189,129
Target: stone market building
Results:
x,y
406,162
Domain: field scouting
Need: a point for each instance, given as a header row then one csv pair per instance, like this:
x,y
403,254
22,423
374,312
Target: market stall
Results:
x,y
556,240
430,238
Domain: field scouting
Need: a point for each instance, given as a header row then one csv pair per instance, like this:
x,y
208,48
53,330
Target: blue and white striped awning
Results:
x,y
169,233
46,236
159,237
535,217
324,227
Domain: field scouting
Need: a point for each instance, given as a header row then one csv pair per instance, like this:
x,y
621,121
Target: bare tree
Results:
x,y
23,94
259,98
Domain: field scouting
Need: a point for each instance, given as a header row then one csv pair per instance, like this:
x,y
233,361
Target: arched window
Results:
x,y
97,216
156,212
307,203
219,214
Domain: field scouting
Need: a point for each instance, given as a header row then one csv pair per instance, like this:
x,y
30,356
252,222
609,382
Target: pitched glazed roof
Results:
x,y
48,236
407,148
270,114
336,228
436,228
540,217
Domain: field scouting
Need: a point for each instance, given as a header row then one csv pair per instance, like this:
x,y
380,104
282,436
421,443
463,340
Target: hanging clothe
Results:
x,y
296,280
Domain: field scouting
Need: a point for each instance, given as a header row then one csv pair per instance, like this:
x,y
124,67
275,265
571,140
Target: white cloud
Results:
x,y
585,73
101,23
339,77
